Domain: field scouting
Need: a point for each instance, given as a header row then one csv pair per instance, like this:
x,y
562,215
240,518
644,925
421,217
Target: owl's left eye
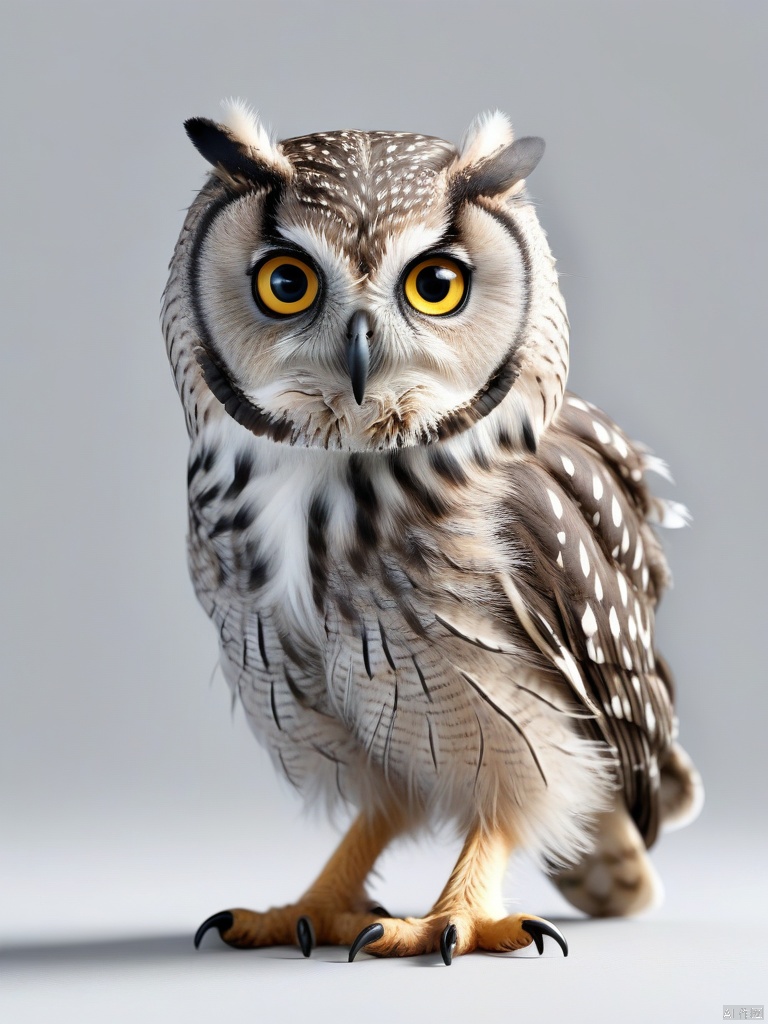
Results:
x,y
435,286
284,285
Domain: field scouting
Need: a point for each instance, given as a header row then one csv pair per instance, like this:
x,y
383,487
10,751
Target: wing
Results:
x,y
589,576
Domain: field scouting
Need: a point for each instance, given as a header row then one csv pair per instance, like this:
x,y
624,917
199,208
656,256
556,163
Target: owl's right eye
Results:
x,y
284,285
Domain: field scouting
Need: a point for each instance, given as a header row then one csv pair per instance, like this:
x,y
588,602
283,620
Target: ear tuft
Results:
x,y
245,126
488,133
240,150
503,172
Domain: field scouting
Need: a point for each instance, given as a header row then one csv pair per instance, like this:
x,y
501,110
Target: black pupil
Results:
x,y
288,283
433,283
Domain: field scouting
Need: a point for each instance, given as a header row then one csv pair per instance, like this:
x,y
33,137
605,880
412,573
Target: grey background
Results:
x,y
132,802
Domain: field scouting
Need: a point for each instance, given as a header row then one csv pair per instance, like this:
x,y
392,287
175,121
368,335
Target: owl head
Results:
x,y
365,291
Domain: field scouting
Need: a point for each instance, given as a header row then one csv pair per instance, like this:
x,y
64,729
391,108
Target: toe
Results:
x,y
371,933
448,940
305,935
537,927
222,921
517,932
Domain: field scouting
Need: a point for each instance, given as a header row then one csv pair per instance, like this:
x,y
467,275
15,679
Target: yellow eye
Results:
x,y
435,286
284,285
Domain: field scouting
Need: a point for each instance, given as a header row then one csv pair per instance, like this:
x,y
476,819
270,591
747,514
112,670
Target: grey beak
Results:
x,y
359,333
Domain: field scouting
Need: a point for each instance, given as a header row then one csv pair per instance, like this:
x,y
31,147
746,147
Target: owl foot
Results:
x,y
331,912
305,924
462,933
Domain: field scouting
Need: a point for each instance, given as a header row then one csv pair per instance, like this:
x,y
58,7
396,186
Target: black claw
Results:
x,y
222,921
371,933
538,929
379,911
305,935
448,941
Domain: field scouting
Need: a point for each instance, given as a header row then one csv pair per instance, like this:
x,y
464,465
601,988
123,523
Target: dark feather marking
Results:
x,y
431,742
243,517
387,655
259,574
390,729
339,790
245,651
222,525
273,705
498,386
242,475
430,501
193,468
209,458
528,435
326,754
317,520
422,680
410,579
412,619
482,752
485,400
235,402
563,711
447,466
505,439
272,199
366,658
366,501
207,496
262,648
481,459
561,309
500,711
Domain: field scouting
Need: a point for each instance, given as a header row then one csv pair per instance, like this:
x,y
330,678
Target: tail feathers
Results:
x,y
617,877
681,793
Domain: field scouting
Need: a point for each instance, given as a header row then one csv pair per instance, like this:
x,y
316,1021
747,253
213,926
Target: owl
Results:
x,y
431,568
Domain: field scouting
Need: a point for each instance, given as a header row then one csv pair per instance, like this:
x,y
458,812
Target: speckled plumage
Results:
x,y
440,599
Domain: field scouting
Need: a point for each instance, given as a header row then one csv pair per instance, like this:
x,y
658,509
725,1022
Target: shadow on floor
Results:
x,y
135,950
